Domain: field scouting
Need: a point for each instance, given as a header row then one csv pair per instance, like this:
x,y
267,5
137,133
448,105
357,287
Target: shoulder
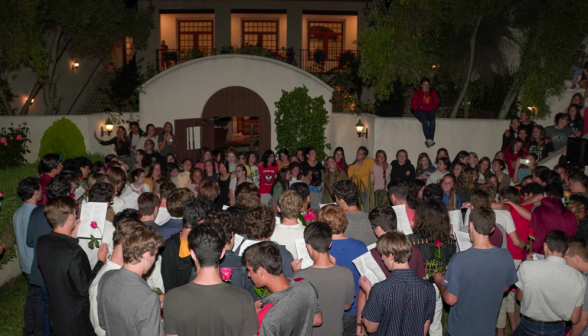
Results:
x,y
356,243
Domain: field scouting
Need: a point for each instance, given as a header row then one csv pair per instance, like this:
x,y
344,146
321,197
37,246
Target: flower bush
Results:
x,y
13,145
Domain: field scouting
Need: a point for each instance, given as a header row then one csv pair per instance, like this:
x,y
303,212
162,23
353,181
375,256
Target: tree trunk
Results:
x,y
464,90
25,108
509,99
466,107
6,103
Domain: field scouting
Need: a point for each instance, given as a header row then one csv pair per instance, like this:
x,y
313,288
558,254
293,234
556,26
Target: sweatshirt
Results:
x,y
405,172
552,214
426,101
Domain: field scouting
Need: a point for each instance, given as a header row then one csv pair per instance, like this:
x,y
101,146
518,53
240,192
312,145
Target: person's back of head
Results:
x,y
109,158
414,189
83,162
319,236
510,194
532,189
238,213
176,201
119,175
70,164
208,190
383,217
147,203
140,240
577,254
123,229
399,189
59,210
97,168
165,189
480,199
579,178
347,191
49,163
71,177
556,241
433,192
259,222
246,187
126,214
554,190
224,221
483,220
334,216
58,186
101,192
396,244
290,204
302,189
432,221
550,177
247,200
206,242
196,210
27,188
264,255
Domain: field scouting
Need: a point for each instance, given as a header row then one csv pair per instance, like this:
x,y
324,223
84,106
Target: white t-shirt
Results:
x,y
162,216
109,266
286,234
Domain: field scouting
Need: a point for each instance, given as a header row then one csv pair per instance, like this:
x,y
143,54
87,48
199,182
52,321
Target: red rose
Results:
x,y
438,243
19,137
531,232
24,122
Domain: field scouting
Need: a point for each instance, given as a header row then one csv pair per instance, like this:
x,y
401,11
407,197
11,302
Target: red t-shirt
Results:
x,y
415,262
522,226
267,177
410,214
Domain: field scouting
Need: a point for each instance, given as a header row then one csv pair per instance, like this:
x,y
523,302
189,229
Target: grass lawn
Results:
x,y
12,302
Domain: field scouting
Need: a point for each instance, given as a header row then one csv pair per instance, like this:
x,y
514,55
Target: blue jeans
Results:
x,y
427,119
46,322
34,309
527,328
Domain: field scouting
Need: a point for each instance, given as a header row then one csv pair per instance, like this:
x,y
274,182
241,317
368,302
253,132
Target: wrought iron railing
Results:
x,y
319,60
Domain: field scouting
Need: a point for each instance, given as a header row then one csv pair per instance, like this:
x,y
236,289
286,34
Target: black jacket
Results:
x,y
405,172
67,273
175,271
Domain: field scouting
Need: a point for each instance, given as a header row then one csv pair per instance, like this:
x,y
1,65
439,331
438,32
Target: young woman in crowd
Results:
x,y
153,175
196,177
538,146
415,193
576,100
148,135
525,169
402,168
457,169
560,132
381,171
483,169
424,168
138,159
284,158
254,171
232,159
295,172
135,135
216,155
441,152
281,184
424,102
526,123
137,183
300,154
316,185
120,178
450,196
210,171
171,171
473,160
502,179
360,171
311,162
294,158
268,169
339,156
493,180
167,140
511,133
150,154
512,153
170,158
576,120
122,145
500,156
224,185
205,155
465,184
333,174
461,157
184,175
241,175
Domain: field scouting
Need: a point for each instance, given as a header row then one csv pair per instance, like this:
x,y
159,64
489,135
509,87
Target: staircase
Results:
x,y
98,100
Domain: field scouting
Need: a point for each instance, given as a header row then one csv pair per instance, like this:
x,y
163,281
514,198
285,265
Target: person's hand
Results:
x,y
296,264
365,284
231,194
258,306
517,163
74,232
466,205
161,296
102,252
360,331
438,279
530,256
332,259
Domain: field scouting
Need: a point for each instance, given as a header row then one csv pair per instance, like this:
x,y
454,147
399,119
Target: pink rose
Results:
x,y
93,225
226,273
1,193
24,122
19,137
11,138
2,140
18,129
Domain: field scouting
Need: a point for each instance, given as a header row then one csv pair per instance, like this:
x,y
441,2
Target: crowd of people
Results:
x,y
230,244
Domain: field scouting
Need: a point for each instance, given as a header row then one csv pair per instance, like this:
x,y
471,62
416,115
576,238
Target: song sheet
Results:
x,y
92,212
463,240
367,266
246,244
402,219
302,252
238,239
456,219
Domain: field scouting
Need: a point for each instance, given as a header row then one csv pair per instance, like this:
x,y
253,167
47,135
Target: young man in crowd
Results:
x,y
552,214
334,284
164,190
293,307
358,226
579,184
126,305
175,206
303,190
114,263
176,264
579,207
49,166
289,205
550,291
398,191
66,269
404,303
148,208
29,190
99,193
228,310
476,280
577,257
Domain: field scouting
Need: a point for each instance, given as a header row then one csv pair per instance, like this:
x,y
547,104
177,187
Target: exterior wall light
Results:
x,y
75,65
108,125
359,128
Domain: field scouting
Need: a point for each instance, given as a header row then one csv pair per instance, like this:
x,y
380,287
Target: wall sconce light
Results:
x,y
359,128
109,126
75,65
32,101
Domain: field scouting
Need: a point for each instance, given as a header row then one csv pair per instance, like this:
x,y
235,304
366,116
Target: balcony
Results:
x,y
315,61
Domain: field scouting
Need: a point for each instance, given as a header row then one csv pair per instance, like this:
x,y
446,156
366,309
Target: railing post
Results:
x,y
157,60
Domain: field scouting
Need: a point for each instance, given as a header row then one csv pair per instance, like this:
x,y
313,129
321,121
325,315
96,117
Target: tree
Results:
x,y
36,33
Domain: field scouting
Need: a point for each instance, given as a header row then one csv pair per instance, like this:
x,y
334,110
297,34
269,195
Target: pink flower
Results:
x,y
93,225
11,138
437,243
18,129
2,140
226,273
24,122
1,193
19,137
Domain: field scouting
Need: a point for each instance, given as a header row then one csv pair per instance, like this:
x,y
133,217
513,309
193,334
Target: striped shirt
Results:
x,y
401,304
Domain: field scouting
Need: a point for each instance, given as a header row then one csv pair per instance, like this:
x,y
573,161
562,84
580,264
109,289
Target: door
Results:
x,y
189,138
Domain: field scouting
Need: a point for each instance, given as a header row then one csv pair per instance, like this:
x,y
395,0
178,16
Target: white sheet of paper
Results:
x,y
246,244
92,212
367,266
463,240
323,205
238,239
538,256
456,219
225,207
370,247
402,219
302,252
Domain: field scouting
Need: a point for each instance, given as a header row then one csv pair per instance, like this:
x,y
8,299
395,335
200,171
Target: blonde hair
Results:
x,y
290,203
334,216
208,190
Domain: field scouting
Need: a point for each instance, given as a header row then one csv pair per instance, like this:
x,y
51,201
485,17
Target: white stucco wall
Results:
x,y
182,91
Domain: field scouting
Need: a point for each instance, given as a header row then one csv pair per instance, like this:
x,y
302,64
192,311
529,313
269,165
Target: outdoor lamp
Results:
x,y
75,65
109,126
359,128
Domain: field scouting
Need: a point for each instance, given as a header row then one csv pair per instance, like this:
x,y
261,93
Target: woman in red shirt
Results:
x,y
512,153
424,102
268,169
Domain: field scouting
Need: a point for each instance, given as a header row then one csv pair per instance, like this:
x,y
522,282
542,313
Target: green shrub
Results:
x,y
13,145
63,137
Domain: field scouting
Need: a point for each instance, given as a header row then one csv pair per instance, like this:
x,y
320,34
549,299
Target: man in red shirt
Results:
x,y
424,102
398,191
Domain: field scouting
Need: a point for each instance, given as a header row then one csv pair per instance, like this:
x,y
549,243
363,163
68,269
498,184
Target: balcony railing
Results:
x,y
316,61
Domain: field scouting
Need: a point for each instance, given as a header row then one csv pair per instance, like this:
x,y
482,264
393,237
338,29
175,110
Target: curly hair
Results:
x,y
334,216
432,221
465,180
140,239
224,220
259,222
238,212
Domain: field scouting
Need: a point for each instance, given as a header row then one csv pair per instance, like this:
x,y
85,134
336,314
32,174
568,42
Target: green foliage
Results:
x,y
13,146
125,88
488,94
63,137
284,54
12,303
301,122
